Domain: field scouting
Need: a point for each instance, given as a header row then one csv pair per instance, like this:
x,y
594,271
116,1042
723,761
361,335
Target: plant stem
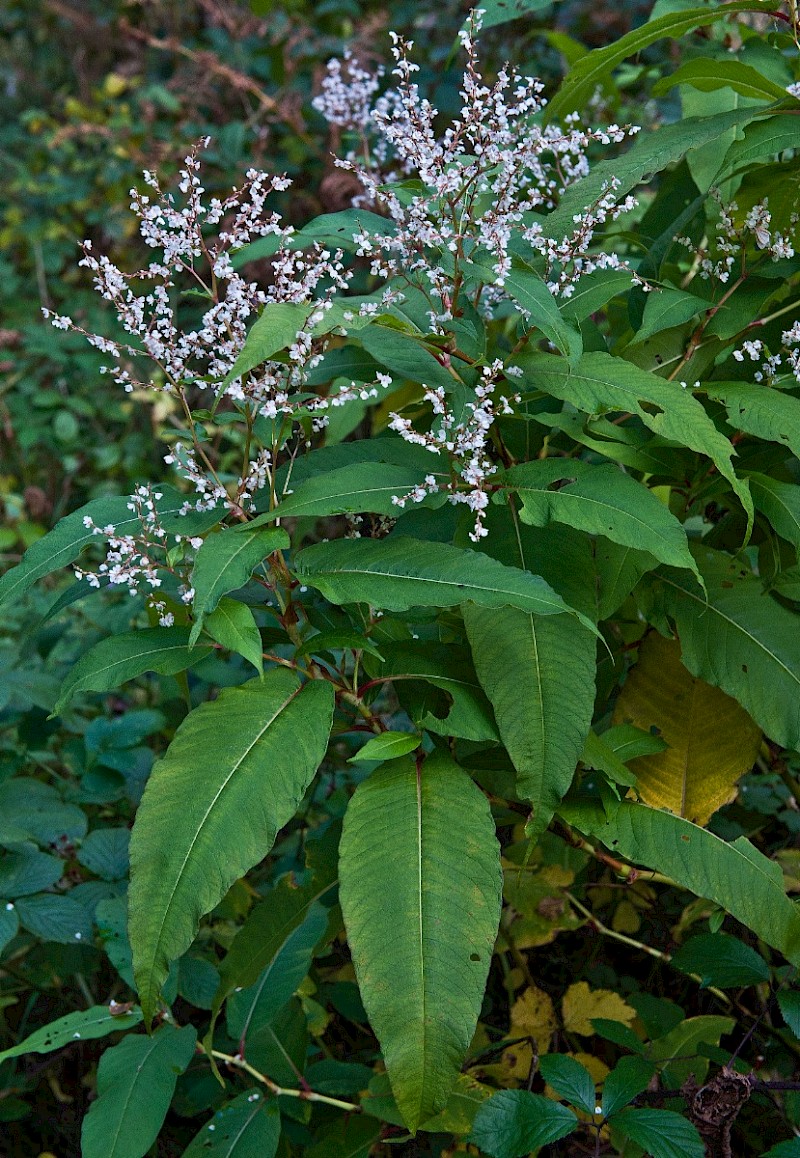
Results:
x,y
305,1095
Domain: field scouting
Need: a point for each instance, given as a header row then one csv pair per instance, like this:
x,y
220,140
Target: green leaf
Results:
x,y
720,960
583,78
274,330
105,853
32,809
789,1005
55,917
406,356
707,74
515,1122
600,500
225,562
135,1083
24,872
651,152
735,876
570,1080
247,1127
233,625
250,1010
421,891
400,573
387,746
679,1048
668,307
740,640
496,12
593,291
61,546
83,1025
759,410
628,1078
780,503
530,292
763,139
447,667
350,1136
359,487
790,1149
120,658
601,383
232,777
660,1133
538,673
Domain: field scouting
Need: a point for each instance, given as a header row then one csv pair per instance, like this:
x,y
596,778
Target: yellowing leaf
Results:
x,y
581,1004
712,740
532,1015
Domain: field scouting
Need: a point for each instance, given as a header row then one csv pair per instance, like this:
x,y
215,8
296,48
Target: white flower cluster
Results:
x,y
770,364
138,561
464,441
484,178
716,262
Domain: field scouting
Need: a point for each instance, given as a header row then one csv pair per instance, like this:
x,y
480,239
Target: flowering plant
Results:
x,y
545,486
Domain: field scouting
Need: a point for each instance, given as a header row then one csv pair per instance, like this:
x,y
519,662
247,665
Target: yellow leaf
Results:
x,y
626,918
789,860
712,740
533,1015
580,1005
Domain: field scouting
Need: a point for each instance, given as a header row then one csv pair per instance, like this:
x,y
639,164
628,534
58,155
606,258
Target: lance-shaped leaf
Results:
x,y
738,877
600,500
780,502
225,562
247,1127
135,1083
770,414
400,573
113,661
363,486
233,625
708,75
276,329
83,1025
650,153
666,308
250,1010
232,777
740,639
764,139
601,383
539,674
585,75
530,291
711,739
420,892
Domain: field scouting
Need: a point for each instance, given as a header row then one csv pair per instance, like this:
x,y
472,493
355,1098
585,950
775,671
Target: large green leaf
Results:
x,y
600,500
650,153
736,876
740,639
583,78
363,486
539,674
225,562
135,1083
764,139
247,1127
530,291
601,383
758,410
113,661
400,573
420,892
406,356
83,1025
232,777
